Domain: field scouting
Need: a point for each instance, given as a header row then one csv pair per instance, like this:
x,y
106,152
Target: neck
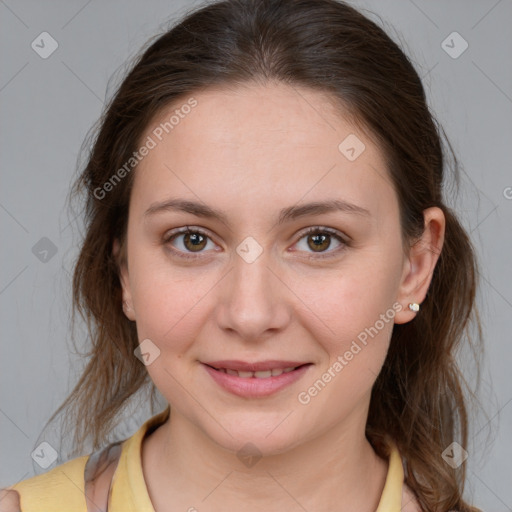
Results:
x,y
337,470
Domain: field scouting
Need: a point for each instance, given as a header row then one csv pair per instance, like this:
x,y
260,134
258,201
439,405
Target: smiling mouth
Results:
x,y
262,374
255,380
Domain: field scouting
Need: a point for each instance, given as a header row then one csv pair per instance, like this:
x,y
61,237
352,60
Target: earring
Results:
x,y
414,307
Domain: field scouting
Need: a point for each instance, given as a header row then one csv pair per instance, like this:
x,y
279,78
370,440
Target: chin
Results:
x,y
253,439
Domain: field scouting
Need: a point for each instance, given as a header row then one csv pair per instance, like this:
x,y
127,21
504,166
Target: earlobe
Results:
x,y
128,310
124,280
420,264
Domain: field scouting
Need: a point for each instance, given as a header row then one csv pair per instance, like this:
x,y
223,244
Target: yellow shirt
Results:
x,y
62,488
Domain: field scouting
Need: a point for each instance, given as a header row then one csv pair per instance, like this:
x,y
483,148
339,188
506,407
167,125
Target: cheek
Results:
x,y
353,330
171,311
351,315
349,298
168,301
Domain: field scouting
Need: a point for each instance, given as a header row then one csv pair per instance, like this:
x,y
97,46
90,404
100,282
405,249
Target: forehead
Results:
x,y
263,144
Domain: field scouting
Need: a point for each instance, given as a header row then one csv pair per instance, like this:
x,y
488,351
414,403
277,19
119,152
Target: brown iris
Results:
x,y
320,242
197,241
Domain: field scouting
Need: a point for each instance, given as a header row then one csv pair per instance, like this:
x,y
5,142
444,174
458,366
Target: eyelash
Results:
x,y
312,230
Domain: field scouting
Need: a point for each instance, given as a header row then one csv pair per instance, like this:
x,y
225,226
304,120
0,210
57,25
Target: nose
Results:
x,y
254,302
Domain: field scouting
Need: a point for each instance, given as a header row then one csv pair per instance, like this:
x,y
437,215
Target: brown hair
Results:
x,y
418,398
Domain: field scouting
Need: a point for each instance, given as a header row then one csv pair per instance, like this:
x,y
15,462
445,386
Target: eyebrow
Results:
x,y
286,214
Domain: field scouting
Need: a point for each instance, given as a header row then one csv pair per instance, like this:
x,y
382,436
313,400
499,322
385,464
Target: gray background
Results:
x,y
48,105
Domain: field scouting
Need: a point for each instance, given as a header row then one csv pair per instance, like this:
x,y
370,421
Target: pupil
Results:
x,y
319,242
196,240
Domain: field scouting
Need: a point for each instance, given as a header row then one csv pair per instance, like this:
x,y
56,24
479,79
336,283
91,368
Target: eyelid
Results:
x,y
169,236
184,230
343,239
324,229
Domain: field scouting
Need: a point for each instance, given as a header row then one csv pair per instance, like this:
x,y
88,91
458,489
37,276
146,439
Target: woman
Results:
x,y
268,242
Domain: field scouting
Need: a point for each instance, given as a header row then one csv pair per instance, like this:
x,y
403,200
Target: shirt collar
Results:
x,y
129,492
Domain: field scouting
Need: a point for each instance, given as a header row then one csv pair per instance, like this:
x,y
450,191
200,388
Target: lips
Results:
x,y
262,374
255,380
262,366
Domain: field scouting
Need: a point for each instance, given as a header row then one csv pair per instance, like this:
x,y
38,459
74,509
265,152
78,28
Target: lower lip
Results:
x,y
253,387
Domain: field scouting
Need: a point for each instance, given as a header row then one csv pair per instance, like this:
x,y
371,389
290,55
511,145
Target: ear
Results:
x,y
120,258
419,265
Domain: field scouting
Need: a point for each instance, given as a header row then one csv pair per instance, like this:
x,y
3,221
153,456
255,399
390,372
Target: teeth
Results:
x,y
264,374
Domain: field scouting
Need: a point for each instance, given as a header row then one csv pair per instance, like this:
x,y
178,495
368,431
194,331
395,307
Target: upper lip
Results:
x,y
253,367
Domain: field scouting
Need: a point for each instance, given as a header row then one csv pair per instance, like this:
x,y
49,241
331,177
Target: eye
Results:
x,y
188,241
319,239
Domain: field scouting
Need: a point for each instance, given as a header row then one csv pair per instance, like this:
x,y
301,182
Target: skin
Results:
x,y
251,151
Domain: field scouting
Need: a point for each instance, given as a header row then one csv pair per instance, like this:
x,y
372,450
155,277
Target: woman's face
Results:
x,y
244,168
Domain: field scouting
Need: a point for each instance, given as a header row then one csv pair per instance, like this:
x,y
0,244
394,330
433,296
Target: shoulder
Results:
x,y
62,486
9,501
69,486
